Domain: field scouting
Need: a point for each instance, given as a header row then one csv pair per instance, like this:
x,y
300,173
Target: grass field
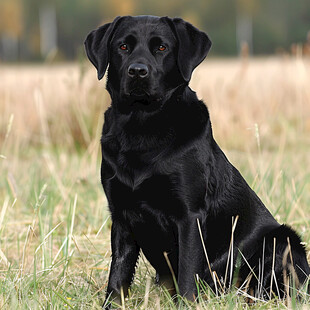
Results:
x,y
54,222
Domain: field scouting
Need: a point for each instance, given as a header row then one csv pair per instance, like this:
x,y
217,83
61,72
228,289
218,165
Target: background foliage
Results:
x,y
273,25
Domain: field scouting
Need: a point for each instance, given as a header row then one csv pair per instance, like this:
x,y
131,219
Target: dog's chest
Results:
x,y
152,193
131,165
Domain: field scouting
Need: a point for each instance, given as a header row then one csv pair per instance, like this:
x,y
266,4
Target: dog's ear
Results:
x,y
193,46
97,46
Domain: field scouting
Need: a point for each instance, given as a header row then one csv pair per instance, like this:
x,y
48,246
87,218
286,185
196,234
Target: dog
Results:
x,y
172,192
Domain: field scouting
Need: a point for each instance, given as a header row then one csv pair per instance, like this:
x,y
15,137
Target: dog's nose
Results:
x,y
138,70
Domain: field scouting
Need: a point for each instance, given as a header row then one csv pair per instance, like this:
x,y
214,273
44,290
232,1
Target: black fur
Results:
x,y
162,170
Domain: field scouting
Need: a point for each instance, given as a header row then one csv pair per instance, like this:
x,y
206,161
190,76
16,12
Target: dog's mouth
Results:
x,y
140,99
139,93
140,96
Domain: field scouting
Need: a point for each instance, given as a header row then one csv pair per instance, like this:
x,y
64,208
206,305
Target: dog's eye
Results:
x,y
162,48
124,47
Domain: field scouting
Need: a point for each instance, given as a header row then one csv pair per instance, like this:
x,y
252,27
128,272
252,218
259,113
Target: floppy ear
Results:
x,y
97,46
193,46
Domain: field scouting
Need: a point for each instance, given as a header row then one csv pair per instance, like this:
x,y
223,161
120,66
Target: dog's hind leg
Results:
x,y
279,264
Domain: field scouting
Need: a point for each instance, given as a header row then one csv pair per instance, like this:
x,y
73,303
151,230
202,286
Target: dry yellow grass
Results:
x,y
51,204
62,103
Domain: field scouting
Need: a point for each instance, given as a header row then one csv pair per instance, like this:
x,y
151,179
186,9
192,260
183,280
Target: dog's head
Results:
x,y
148,57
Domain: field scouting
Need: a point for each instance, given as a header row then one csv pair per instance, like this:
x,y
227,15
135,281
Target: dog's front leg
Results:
x,y
125,253
191,257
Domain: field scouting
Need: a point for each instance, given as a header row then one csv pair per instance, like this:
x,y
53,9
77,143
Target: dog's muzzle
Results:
x,y
138,70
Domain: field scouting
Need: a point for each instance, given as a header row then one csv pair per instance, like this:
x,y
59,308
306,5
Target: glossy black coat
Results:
x,y
163,172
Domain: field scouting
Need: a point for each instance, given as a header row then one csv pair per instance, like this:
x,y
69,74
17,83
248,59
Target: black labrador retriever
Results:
x,y
172,192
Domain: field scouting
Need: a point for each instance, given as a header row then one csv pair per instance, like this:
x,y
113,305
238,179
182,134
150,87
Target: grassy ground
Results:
x,y
54,223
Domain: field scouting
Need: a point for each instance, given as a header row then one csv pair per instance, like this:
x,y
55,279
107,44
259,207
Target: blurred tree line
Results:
x,y
38,29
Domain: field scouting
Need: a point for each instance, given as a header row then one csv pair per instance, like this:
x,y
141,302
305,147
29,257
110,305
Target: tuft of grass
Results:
x,y
54,221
